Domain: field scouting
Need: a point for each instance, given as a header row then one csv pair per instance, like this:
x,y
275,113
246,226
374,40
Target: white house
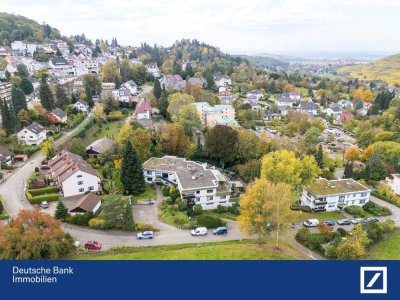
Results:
x,y
60,67
32,135
153,69
60,115
23,48
345,104
331,195
196,183
143,110
132,87
81,106
393,181
334,110
72,174
285,101
222,80
255,93
308,107
6,156
122,95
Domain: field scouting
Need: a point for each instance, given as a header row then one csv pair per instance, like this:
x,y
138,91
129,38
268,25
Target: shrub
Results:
x,y
221,209
37,169
198,210
43,191
96,223
303,235
355,210
304,208
80,219
209,221
40,198
115,116
183,206
342,232
165,191
376,210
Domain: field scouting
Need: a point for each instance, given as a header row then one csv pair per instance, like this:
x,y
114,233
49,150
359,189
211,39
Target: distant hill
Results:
x,y
15,27
387,69
263,61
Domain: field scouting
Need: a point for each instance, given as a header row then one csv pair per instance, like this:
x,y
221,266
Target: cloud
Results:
x,y
252,26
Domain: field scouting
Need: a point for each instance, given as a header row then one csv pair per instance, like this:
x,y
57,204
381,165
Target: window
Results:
x,y
363,194
222,197
148,172
354,195
81,190
79,176
210,198
362,201
197,199
80,182
91,188
197,192
209,191
331,205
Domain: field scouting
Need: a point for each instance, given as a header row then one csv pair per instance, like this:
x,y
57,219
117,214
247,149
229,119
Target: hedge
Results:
x,y
40,198
43,191
210,221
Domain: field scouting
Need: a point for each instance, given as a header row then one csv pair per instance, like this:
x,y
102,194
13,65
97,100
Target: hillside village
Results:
x,y
96,134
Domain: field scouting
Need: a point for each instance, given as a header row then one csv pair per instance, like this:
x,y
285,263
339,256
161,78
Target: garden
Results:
x,y
368,210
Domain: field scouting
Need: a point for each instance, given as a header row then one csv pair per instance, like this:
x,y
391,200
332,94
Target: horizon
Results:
x,y
304,29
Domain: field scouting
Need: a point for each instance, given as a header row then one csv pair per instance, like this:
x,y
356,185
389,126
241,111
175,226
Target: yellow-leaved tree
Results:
x,y
265,207
352,154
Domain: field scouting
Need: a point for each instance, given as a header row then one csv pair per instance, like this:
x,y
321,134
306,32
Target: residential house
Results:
x,y
331,195
211,116
222,80
197,184
294,96
252,100
153,69
308,107
33,99
123,95
82,106
345,116
285,101
88,203
60,67
5,91
345,104
255,94
6,156
60,115
225,97
173,82
269,116
143,110
393,182
333,109
108,86
99,147
197,80
23,48
132,87
72,174
89,65
32,135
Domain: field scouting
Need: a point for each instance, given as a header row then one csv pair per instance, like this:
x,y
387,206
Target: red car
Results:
x,y
92,245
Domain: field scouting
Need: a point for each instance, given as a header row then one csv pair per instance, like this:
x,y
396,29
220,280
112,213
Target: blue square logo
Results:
x,y
373,280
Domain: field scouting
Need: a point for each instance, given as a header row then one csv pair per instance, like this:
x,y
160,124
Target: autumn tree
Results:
x,y
357,94
368,96
247,145
352,154
355,244
265,203
222,144
284,166
47,148
176,101
110,72
174,140
34,235
98,113
188,118
141,140
23,117
125,134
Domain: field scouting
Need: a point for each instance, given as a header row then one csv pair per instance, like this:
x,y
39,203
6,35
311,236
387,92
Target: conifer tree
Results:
x,y
131,171
26,86
61,211
18,99
157,88
319,157
46,96
61,97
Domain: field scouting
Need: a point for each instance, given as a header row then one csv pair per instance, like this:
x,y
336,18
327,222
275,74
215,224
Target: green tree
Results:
x,y
222,144
18,99
77,147
312,139
26,86
46,96
188,118
92,86
163,104
8,116
319,157
61,211
61,97
348,170
22,70
23,117
131,171
157,89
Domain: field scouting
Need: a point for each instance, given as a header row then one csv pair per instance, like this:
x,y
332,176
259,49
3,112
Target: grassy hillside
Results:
x,y
387,69
262,61
230,250
15,27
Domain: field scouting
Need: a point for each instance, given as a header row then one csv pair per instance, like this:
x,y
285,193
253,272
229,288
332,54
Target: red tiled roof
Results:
x,y
143,106
346,116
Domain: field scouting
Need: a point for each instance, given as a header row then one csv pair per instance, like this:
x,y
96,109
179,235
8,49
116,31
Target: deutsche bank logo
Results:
x,y
373,280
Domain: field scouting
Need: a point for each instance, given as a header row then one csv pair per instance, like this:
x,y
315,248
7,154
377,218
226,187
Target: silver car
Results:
x,y
145,235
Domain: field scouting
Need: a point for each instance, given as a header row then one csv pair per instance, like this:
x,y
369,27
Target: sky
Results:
x,y
236,26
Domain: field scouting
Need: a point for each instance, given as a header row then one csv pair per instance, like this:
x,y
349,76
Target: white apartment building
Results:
x,y
211,116
32,135
25,49
331,195
72,174
196,183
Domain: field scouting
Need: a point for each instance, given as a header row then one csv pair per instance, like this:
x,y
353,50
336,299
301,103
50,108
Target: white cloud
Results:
x,y
252,26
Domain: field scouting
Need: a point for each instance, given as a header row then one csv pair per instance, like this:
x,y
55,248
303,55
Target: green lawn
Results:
x,y
149,193
386,249
225,215
109,129
326,215
230,250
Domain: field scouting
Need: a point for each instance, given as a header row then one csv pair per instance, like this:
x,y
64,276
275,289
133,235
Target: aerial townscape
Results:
x,y
112,151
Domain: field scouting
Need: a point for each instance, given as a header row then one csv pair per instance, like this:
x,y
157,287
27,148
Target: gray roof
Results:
x,y
336,107
131,83
285,99
101,145
59,113
36,128
308,106
190,174
4,153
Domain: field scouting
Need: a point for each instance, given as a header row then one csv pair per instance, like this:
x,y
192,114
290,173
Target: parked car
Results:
x,y
220,230
311,223
145,235
44,167
357,220
329,223
92,245
199,231
371,219
44,204
344,222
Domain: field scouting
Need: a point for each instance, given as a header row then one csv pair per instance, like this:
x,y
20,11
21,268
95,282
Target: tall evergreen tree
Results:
x,y
131,171
348,170
61,211
18,99
9,118
26,86
61,97
319,157
157,88
46,96
163,104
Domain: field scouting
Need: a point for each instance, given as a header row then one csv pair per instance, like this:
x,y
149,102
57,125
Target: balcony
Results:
x,y
320,201
319,209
